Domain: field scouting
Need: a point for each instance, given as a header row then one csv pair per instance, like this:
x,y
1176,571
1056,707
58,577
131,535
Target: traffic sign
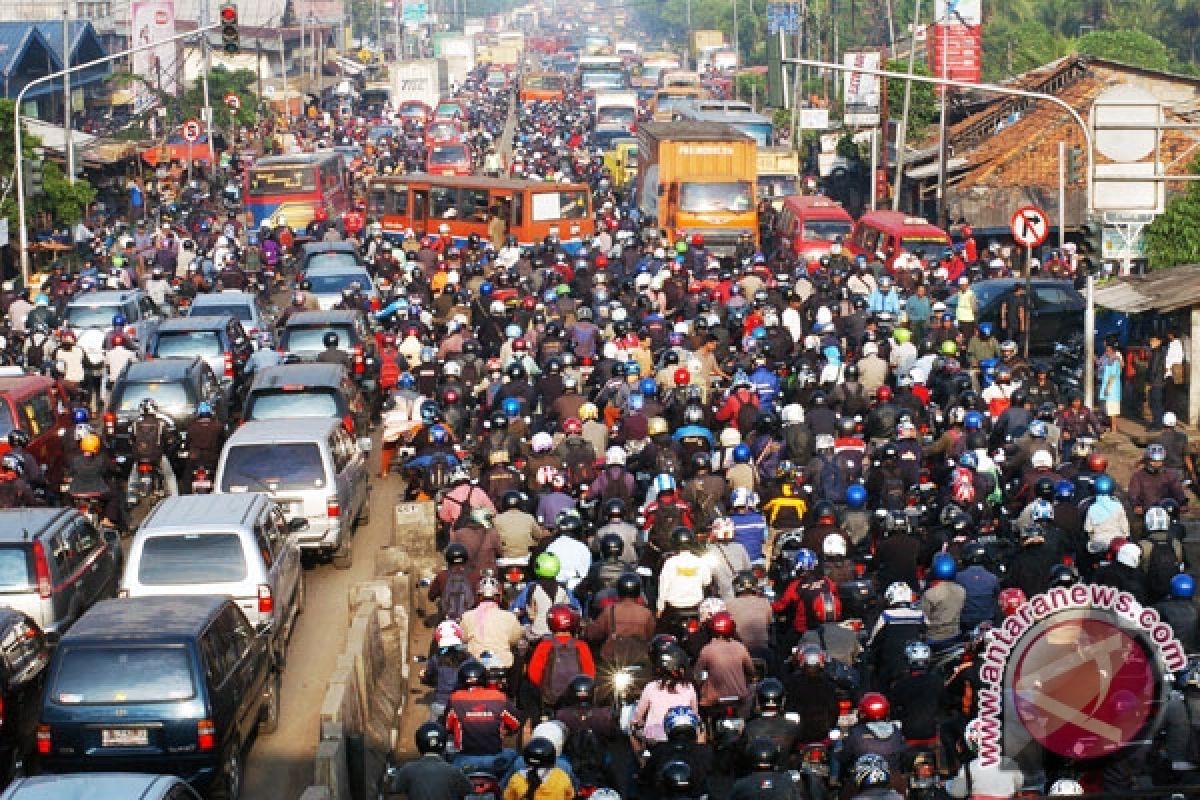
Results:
x,y
233,101
191,130
1029,226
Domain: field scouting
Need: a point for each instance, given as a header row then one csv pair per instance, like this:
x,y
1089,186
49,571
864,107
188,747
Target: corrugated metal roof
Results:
x,y
51,30
1164,290
15,39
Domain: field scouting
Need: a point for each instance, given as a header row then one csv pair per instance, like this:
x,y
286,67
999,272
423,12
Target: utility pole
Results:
x,y
902,133
941,184
68,140
1062,194
206,66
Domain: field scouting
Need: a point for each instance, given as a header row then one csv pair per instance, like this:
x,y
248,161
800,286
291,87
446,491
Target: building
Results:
x,y
32,49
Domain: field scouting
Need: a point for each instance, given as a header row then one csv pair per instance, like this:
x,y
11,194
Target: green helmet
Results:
x,y
949,348
547,565
681,246
902,335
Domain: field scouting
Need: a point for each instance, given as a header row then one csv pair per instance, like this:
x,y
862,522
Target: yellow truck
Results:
x,y
705,40
698,178
778,174
622,162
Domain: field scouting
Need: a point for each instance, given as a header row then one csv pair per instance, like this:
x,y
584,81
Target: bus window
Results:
x,y
398,200
518,209
273,180
377,201
473,205
551,206
420,208
443,200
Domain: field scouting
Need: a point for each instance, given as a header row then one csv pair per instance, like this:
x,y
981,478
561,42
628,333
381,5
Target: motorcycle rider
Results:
x,y
724,666
875,732
1152,483
725,556
770,722
18,445
332,354
88,472
116,357
683,743
518,530
14,491
684,579
898,625
872,776
488,628
981,587
977,778
812,693
765,780
614,522
1179,611
540,777
912,698
151,431
204,439
943,600
624,629
430,776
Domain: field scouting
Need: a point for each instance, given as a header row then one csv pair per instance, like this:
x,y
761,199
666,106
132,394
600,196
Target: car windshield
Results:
x,y
241,311
334,282
698,198
192,558
91,316
122,675
14,569
183,344
167,396
271,468
297,339
825,230
453,154
275,403
6,420
331,260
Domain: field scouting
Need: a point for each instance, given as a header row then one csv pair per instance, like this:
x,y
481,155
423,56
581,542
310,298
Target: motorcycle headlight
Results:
x,y
621,680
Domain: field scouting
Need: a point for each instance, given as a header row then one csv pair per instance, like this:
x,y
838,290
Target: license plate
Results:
x,y
847,720
815,769
202,486
184,455
124,737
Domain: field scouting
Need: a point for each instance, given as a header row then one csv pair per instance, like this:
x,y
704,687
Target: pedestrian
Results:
x,y
1112,368
1156,381
1014,314
967,309
1176,373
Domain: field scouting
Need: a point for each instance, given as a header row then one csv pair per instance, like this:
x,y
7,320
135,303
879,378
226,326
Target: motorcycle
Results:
x,y
147,483
513,576
814,770
202,482
89,504
922,779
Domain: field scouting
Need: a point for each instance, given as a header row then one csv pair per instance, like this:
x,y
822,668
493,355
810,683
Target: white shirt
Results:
x,y
1174,354
791,320
115,361
681,584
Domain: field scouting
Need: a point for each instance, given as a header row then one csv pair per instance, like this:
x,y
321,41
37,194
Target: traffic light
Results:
x,y
1074,164
883,187
34,175
1091,244
230,37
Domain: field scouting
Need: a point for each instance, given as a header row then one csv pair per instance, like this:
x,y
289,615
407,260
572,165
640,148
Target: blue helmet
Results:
x,y
118,320
806,560
1041,509
741,454
204,409
511,406
759,333
1037,429
438,434
969,460
80,416
1064,491
406,381
1104,485
856,495
943,567
429,412
680,717
486,288
512,331
648,387
973,421
633,368
1183,586
985,328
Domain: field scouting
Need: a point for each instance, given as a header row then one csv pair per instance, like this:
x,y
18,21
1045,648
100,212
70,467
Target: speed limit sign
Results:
x,y
191,130
233,101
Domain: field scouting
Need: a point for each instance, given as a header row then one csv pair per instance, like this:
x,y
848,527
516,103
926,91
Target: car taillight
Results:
x,y
145,467
333,508
359,362
41,570
923,768
348,424
43,739
206,735
692,625
845,705
860,570
266,601
228,364
110,423
1068,560
814,755
514,575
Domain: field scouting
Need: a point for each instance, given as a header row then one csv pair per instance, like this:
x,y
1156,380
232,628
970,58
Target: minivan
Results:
x,y
100,786
315,470
54,565
39,406
892,233
239,545
174,685
812,223
218,339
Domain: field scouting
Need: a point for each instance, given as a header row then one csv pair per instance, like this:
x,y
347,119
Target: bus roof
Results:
x,y
817,206
471,181
601,61
294,159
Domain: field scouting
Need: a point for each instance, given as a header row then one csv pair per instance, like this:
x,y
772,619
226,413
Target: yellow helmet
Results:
x,y
656,425
589,411
90,444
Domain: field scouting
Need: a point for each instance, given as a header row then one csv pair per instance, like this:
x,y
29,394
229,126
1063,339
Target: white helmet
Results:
x,y
1042,460
1064,788
459,474
542,442
449,634
834,546
742,498
709,606
730,437
898,594
664,483
973,736
1157,519
452,369
722,529
792,414
553,731
1129,554
825,442
615,455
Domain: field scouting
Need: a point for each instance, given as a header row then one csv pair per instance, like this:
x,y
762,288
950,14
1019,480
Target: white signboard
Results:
x,y
152,21
958,12
861,91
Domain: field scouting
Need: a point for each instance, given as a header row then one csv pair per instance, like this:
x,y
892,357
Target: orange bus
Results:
x,y
544,87
532,210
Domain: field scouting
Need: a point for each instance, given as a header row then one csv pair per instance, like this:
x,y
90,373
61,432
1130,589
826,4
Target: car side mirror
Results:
x,y
297,524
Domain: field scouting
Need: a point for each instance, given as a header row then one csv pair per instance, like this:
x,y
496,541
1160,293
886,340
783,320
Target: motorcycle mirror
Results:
x,y
835,734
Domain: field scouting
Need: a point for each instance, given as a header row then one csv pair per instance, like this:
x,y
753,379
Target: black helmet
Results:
x,y
766,422
330,339
471,674
847,426
1043,488
614,509
554,365
660,644
572,525
701,462
851,372
540,752
819,398
683,538
18,438
431,737
611,546
629,584
769,694
1047,412
889,452
671,359
1018,398
762,754
499,420
670,660
745,582
975,553
511,500
456,553
1064,575
675,776
515,372
582,689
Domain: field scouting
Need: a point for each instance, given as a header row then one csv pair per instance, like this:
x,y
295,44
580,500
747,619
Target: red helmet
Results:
x,y
562,618
529,303
1010,600
389,339
601,260
884,394
722,624
519,344
573,425
873,707
450,397
118,340
682,377
697,240
1097,463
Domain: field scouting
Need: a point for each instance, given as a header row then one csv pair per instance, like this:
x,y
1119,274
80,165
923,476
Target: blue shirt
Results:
x,y
750,531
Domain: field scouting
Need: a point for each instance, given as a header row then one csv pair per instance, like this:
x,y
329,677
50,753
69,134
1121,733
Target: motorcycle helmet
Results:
x,y
683,538
582,690
806,561
1009,600
897,594
546,565
1065,787
80,416
769,694
471,674
834,546
680,719
874,707
1157,519
762,754
1183,586
943,567
456,553
330,339
871,771
856,496
629,585
1064,575
1104,485
1064,491
562,618
431,737
540,752
722,624
741,454
611,546
918,654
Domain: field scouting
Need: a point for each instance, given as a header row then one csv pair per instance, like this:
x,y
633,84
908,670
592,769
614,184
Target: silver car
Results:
x,y
328,281
100,786
237,545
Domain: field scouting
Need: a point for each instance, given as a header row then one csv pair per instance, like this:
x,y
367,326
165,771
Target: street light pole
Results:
x,y
68,143
902,134
941,183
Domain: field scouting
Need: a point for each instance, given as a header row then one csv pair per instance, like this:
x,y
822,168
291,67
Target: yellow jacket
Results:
x,y
555,786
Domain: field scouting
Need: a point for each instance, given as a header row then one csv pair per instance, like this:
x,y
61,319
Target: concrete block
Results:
x,y
316,793
377,591
391,559
330,770
414,527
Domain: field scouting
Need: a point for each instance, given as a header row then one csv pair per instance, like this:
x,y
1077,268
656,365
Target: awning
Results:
x,y
105,152
931,170
53,137
1164,290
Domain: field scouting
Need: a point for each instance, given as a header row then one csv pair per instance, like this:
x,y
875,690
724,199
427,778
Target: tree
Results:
x,y
1129,47
1174,236
64,201
923,106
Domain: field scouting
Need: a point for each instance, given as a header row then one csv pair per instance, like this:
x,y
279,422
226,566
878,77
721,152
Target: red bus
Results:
x,y
293,187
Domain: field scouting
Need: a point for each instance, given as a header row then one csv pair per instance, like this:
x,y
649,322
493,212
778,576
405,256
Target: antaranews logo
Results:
x,y
1079,670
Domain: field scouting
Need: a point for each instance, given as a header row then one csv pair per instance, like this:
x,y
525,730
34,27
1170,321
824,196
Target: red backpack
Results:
x,y
389,370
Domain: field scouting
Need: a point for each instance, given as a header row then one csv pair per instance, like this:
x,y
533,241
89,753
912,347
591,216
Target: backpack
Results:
x,y
666,519
666,462
580,462
458,597
389,370
1161,566
893,494
832,482
35,355
962,486
615,488
437,474
854,403
147,439
586,752
707,506
747,415
562,665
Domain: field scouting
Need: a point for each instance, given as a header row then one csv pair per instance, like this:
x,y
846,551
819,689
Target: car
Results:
x,y
55,565
414,111
174,685
449,158
328,253
450,109
1057,309
24,654
316,471
302,338
239,545
442,131
100,786
220,340
298,391
39,406
243,305
89,316
176,385
328,281
377,132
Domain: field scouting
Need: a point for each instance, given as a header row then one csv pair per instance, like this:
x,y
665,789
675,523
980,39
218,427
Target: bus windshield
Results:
x,y
622,116
698,198
761,132
283,180
825,230
594,78
548,82
671,102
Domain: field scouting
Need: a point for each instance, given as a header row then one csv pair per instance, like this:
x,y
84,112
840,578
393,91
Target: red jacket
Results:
x,y
541,655
728,412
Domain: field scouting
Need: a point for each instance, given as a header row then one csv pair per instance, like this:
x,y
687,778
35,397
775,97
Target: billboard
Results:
x,y
960,12
152,21
956,52
860,93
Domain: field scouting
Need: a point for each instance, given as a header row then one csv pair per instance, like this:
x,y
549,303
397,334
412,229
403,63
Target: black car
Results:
x,y
1056,309
306,391
24,654
172,685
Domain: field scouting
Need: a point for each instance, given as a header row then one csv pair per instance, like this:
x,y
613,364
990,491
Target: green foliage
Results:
x,y
64,201
923,105
749,85
1129,47
848,148
1174,236
1012,47
221,81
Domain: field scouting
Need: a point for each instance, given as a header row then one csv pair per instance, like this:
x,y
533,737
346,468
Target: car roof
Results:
x,y
90,786
283,429
107,297
336,269
309,374
1005,283
196,323
140,619
20,524
9,383
160,369
333,316
225,297
201,512
329,247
